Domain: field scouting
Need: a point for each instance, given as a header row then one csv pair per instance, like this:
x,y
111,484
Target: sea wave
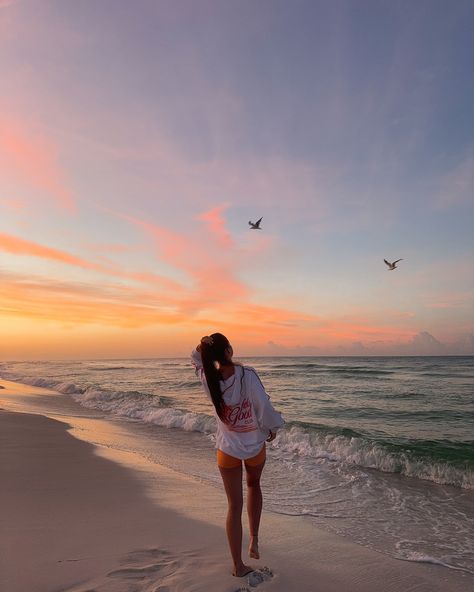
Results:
x,y
67,388
146,407
331,369
447,463
348,447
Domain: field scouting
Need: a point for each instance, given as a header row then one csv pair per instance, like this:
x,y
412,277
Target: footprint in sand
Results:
x,y
140,573
141,555
151,562
259,576
143,570
159,570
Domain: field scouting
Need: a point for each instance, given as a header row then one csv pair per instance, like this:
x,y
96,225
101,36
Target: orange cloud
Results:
x,y
78,304
109,307
19,246
214,298
31,157
118,305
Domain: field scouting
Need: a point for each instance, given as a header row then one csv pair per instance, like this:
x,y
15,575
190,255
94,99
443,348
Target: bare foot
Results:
x,y
242,571
253,548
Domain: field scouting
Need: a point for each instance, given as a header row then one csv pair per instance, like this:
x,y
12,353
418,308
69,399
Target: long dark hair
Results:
x,y
212,354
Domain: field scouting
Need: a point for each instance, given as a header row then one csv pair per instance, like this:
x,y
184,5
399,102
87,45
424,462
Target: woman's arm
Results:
x,y
267,417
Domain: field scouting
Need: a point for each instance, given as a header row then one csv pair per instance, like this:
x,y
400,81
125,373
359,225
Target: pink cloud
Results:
x,y
211,270
28,156
216,225
457,186
12,204
453,300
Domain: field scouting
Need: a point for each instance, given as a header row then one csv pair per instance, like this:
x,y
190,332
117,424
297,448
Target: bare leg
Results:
x,y
232,479
254,506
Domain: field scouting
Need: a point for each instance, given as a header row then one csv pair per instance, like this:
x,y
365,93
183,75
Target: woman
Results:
x,y
245,420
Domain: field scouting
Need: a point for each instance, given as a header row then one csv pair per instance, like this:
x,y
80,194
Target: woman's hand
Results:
x,y
271,436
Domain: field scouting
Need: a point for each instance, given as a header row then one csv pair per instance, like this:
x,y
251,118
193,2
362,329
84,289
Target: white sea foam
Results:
x,y
359,451
422,558
144,407
322,445
419,557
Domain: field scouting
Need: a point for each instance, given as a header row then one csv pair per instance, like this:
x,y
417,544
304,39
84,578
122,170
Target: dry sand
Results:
x,y
76,517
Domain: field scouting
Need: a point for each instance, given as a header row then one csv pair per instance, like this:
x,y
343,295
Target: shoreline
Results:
x,y
68,501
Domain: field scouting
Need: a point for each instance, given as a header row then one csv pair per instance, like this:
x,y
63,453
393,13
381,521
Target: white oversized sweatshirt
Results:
x,y
248,410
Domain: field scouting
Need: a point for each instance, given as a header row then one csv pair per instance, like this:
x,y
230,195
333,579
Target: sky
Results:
x,y
137,140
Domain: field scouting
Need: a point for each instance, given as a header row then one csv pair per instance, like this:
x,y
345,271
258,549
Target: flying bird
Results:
x,y
392,266
255,225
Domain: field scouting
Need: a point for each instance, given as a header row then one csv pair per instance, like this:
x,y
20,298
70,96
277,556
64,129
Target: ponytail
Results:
x,y
213,353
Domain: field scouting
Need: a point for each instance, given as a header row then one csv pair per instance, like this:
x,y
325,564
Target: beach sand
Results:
x,y
83,517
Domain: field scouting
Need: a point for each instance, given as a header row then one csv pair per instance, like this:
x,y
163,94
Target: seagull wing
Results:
x,y
397,261
389,264
257,223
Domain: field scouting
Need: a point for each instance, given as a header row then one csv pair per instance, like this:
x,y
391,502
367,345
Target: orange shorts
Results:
x,y
226,461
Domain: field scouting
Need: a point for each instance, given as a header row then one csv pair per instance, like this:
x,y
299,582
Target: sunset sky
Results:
x,y
137,139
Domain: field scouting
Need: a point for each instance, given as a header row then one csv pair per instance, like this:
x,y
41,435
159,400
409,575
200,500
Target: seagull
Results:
x,y
392,266
255,225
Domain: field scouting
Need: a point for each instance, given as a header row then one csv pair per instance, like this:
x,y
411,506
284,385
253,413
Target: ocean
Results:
x,y
379,449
